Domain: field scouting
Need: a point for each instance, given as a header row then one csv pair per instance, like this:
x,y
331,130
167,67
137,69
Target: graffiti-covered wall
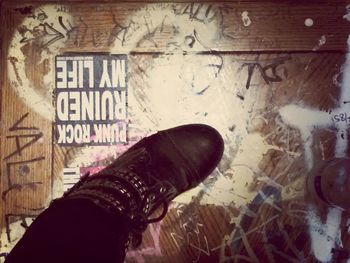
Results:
x,y
82,82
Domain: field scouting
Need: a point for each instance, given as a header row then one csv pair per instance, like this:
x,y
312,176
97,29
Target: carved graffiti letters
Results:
x,y
20,177
267,70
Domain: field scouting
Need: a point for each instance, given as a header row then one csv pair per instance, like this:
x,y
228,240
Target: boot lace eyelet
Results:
x,y
132,167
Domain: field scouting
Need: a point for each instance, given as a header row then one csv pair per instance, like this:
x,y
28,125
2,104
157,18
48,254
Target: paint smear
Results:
x,y
246,19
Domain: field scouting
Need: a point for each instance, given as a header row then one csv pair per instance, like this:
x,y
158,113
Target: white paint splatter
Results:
x,y
308,22
342,134
326,236
177,93
40,102
321,245
344,101
246,19
184,89
226,190
323,236
347,15
321,42
305,120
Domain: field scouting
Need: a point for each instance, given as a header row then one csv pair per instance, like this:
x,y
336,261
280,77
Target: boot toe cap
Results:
x,y
201,145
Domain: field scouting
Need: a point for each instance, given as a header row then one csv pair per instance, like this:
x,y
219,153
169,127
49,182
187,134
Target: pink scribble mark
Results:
x,y
106,152
138,255
154,230
91,169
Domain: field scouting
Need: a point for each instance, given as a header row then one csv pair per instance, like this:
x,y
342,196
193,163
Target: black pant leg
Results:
x,y
73,231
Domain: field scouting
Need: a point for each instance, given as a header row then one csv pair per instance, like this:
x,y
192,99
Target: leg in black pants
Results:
x,y
73,231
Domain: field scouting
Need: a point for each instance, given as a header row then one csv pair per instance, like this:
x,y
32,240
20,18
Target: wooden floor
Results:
x,y
270,76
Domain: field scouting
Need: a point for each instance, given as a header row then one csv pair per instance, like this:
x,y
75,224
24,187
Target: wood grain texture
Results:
x,y
274,27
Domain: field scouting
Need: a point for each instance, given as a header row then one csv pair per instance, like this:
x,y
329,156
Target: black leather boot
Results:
x,y
152,173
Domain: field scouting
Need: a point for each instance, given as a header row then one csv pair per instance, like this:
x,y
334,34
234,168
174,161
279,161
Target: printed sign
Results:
x,y
91,99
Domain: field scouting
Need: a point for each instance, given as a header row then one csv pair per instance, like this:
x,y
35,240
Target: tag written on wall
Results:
x,y
91,99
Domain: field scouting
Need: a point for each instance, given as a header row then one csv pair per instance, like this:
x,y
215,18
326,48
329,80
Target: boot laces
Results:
x,y
130,196
161,191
